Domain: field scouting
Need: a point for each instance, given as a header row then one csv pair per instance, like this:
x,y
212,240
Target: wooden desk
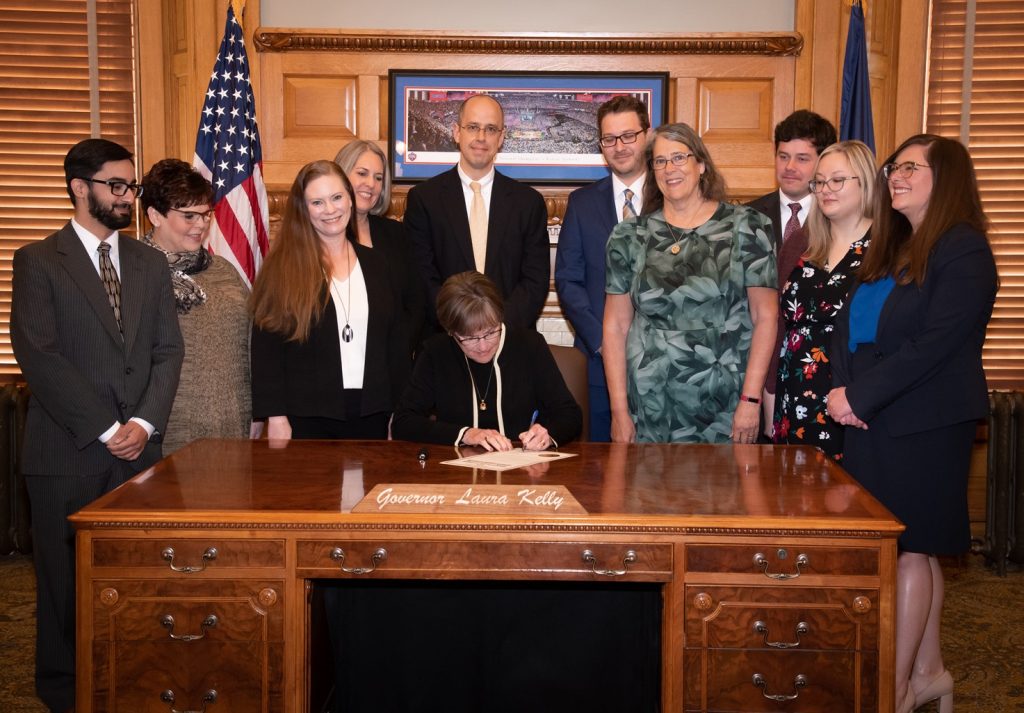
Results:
x,y
775,567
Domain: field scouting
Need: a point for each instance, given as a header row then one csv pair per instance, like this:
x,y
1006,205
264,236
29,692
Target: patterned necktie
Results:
x,y
628,211
793,224
113,285
478,226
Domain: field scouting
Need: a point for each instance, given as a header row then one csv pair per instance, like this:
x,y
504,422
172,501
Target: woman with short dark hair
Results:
x,y
482,383
213,398
910,384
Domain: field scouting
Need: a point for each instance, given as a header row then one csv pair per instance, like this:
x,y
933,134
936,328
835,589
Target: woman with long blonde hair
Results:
x,y
836,236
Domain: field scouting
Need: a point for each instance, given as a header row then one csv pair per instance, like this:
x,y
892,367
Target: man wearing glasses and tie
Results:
x,y
95,333
592,212
474,218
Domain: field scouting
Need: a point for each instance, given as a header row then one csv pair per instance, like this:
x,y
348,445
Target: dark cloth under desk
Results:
x,y
495,646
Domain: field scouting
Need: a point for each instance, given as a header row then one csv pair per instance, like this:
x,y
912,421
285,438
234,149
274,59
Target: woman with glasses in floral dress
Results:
x,y
482,383
691,314
835,238
213,398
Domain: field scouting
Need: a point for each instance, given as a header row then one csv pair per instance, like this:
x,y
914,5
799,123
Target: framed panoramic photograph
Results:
x,y
550,119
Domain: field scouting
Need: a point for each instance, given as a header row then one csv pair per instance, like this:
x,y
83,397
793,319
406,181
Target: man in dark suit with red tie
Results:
x,y
474,218
94,330
590,215
799,138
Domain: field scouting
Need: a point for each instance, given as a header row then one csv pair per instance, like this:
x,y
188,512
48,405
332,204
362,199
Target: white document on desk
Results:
x,y
507,460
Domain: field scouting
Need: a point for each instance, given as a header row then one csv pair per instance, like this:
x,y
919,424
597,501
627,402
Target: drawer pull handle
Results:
x,y
799,682
167,621
761,628
628,559
208,556
168,698
761,561
378,556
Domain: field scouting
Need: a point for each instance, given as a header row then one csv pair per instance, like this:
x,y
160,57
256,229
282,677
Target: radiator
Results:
x,y
1004,500
15,533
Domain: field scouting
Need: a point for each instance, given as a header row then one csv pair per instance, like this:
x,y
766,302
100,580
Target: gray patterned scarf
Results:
x,y
187,294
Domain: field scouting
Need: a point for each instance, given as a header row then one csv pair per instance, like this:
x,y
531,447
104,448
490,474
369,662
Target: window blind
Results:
x,y
976,93
66,69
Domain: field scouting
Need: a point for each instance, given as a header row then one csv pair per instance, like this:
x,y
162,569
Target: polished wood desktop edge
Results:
x,y
873,527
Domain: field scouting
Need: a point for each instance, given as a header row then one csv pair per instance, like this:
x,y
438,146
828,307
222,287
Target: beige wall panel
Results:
x,y
316,106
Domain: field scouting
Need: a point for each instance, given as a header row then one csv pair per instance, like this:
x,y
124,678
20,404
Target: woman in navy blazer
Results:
x,y
910,384
330,355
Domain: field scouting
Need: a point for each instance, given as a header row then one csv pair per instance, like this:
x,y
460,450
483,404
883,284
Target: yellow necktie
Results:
x,y
478,226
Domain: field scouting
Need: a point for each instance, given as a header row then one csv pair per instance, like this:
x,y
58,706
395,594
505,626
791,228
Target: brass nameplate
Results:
x,y
527,500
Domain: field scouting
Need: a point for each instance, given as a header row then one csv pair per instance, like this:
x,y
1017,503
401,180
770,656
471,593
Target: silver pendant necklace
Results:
x,y
347,335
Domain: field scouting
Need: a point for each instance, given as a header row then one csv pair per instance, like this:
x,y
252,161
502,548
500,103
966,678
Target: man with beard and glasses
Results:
x,y
95,333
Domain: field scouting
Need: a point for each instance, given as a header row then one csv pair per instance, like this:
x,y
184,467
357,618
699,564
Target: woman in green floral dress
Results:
x,y
690,318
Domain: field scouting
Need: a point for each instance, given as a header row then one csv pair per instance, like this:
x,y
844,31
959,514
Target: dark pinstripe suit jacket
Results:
x,y
82,374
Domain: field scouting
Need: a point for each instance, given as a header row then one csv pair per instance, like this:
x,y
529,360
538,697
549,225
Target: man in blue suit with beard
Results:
x,y
591,214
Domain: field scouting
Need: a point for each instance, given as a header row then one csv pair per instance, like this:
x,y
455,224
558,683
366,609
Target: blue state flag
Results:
x,y
855,115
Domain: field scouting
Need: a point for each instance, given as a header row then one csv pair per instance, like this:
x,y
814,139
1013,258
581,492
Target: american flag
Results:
x,y
228,153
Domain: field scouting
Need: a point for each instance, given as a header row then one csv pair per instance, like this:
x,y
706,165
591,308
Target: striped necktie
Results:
x,y
628,211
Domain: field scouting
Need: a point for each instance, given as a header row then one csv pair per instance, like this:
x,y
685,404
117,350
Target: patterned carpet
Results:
x,y
983,637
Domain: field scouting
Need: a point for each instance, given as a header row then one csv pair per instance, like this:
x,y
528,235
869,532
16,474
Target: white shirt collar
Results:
x,y
92,242
466,180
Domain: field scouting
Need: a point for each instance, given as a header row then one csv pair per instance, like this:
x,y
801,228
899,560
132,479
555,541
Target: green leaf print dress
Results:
x,y
686,353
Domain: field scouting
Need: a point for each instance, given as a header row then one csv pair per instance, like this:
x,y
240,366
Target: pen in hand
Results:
x,y
533,420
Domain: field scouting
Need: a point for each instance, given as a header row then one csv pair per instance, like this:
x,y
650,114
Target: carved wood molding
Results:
x,y
782,44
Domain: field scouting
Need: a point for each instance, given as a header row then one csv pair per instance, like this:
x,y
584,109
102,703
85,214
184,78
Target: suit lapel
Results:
x,y
498,218
79,267
606,197
132,288
454,201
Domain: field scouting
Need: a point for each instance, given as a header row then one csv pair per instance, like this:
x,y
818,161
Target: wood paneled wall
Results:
x,y
319,89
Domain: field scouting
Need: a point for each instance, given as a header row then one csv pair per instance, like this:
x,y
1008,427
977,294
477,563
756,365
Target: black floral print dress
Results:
x,y
809,303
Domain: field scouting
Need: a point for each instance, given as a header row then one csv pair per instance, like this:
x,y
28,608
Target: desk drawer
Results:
x,y
188,556
149,677
782,562
837,682
784,618
485,560
188,612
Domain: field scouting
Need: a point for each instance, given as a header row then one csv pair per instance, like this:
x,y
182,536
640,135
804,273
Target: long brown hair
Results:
x,y
289,293
897,249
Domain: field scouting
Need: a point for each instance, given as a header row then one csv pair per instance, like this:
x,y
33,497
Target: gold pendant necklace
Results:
x,y
476,392
676,246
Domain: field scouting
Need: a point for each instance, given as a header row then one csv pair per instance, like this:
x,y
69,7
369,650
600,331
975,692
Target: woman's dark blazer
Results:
x,y
530,380
304,379
925,371
389,236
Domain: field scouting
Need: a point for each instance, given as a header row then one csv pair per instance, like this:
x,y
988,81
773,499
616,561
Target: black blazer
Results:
x,y
518,249
304,379
82,374
925,370
389,236
529,379
770,205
